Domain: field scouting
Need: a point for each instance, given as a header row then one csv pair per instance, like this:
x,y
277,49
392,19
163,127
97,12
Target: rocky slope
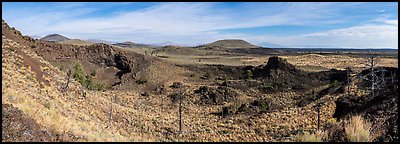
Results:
x,y
34,86
18,127
113,66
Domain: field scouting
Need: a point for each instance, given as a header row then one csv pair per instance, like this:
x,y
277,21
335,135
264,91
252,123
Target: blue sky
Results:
x,y
293,24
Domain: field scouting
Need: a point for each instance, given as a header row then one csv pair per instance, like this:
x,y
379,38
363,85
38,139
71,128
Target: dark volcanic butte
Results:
x,y
232,43
55,38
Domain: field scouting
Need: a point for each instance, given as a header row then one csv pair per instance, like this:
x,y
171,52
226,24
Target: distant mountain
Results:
x,y
168,43
231,43
270,45
100,41
313,46
130,44
35,36
55,38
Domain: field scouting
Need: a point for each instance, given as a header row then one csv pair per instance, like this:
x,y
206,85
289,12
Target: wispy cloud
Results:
x,y
184,18
360,36
392,22
199,22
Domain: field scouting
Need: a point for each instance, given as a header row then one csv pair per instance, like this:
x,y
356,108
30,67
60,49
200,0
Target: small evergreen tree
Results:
x,y
78,73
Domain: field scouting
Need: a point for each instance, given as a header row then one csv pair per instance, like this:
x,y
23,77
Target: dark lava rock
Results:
x,y
279,63
176,85
383,106
175,97
145,94
214,96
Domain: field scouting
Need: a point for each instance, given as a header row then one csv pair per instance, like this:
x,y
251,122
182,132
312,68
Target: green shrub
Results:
x,y
85,81
61,68
264,107
207,75
314,97
225,77
88,82
249,74
47,104
266,85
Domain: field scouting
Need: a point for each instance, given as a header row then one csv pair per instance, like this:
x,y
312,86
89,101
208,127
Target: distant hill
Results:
x,y
167,43
231,43
130,44
179,50
35,36
100,41
55,38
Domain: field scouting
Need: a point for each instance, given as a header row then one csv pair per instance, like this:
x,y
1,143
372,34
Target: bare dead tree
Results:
x,y
348,75
113,99
65,88
376,76
318,111
162,97
393,80
373,76
111,109
317,107
180,112
223,111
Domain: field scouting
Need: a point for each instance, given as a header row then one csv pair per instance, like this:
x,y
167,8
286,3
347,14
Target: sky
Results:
x,y
290,24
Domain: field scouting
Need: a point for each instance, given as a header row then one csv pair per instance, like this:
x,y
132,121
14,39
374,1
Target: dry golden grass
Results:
x,y
315,137
87,117
326,62
47,105
309,62
358,130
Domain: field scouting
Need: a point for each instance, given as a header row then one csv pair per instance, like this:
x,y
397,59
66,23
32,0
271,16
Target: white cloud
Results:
x,y
366,31
200,22
364,36
392,22
380,10
178,18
